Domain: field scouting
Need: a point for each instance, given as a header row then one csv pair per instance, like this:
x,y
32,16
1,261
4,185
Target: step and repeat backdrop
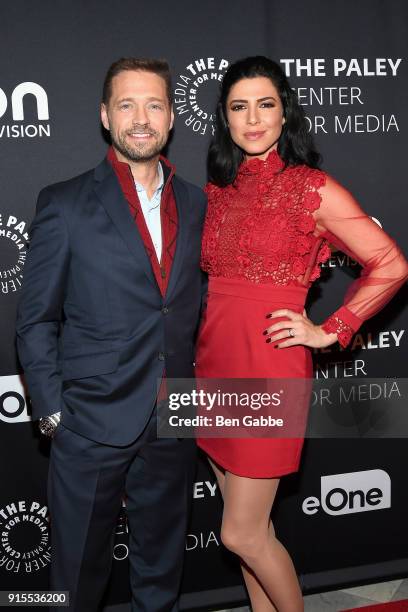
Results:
x,y
348,63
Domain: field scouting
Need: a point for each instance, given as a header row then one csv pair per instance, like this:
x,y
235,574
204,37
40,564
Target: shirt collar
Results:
x,y
140,188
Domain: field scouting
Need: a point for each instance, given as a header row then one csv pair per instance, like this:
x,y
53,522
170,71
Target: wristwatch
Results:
x,y
48,424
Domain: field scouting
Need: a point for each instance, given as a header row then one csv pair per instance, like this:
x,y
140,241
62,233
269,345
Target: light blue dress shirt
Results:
x,y
151,210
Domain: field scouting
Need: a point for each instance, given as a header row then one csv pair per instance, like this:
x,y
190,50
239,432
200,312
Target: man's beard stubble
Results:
x,y
139,151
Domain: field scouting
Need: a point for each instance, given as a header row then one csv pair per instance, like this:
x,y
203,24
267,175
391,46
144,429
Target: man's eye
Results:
x,y
124,106
156,106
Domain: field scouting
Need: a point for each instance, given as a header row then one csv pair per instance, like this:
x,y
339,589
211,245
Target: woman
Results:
x,y
271,216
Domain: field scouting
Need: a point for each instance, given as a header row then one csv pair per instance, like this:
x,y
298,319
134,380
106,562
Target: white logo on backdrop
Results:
x,y
121,546
13,400
13,245
369,341
204,489
351,493
25,545
337,102
201,490
196,92
201,540
16,106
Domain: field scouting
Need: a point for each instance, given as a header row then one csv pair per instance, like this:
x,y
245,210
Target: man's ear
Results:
x,y
104,117
171,117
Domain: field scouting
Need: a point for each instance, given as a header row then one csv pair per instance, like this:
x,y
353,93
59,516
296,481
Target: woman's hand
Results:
x,y
297,330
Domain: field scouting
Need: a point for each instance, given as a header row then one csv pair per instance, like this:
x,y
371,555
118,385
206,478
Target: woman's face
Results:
x,y
255,116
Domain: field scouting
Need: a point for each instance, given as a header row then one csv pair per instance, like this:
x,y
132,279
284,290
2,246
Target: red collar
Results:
x,y
123,168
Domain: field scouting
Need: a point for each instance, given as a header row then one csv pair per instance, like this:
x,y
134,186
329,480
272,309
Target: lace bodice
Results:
x,y
274,225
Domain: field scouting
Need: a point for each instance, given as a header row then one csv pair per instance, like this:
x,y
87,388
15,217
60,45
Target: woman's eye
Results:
x,y
267,105
237,107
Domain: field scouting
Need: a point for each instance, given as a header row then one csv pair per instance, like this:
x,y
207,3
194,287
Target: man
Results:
x,y
110,304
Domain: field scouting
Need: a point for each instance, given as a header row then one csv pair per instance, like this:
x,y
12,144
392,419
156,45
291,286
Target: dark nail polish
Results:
x,y
269,316
268,340
265,332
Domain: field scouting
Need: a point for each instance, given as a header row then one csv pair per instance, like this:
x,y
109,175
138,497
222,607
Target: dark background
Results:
x,y
66,47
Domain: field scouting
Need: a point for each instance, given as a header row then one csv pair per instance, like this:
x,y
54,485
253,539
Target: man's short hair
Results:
x,y
157,66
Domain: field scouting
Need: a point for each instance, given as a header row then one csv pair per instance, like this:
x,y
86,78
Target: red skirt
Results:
x,y
231,345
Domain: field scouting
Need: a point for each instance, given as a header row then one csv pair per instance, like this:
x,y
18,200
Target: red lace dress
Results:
x,y
264,238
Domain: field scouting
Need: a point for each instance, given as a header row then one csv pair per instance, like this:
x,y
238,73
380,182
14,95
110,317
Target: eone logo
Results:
x,y
351,492
17,110
13,403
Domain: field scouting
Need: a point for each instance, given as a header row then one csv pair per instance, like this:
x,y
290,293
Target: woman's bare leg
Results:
x,y
260,601
247,530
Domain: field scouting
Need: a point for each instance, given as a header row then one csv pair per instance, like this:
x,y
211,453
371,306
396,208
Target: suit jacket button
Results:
x,y
161,356
165,310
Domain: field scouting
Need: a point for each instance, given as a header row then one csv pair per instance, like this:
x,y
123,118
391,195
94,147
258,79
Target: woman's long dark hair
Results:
x,y
295,145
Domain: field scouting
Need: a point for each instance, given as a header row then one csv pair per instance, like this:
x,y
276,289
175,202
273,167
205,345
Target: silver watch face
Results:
x,y
47,427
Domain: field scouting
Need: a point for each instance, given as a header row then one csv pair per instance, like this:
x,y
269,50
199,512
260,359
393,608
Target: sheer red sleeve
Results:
x,y
344,224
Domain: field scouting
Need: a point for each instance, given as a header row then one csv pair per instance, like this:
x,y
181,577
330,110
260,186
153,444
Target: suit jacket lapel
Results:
x,y
182,202
110,195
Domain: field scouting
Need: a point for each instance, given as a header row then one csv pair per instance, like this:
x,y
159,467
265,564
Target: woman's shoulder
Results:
x,y
314,177
213,191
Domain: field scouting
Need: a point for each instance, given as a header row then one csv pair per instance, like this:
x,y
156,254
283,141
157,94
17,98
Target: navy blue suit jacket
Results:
x,y
94,333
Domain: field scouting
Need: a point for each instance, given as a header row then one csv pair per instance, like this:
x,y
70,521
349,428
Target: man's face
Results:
x,y
138,115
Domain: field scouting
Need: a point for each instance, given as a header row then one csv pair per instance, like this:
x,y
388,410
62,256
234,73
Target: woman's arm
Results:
x,y
343,223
